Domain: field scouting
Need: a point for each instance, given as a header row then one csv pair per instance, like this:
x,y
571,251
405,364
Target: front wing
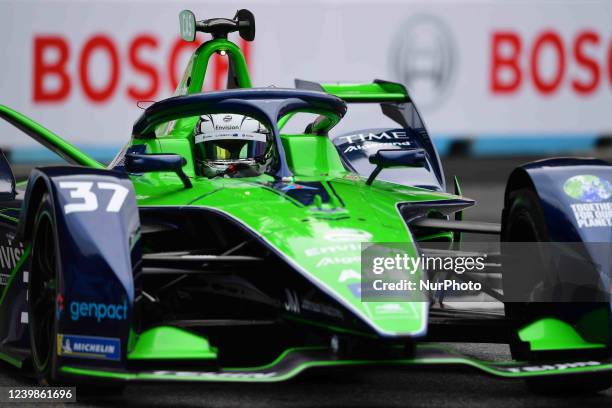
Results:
x,y
295,361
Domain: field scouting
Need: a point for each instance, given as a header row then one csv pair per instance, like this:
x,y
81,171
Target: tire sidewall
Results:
x,y
525,209
45,374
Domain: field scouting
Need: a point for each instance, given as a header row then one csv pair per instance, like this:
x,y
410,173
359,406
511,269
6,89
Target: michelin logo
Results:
x,y
104,348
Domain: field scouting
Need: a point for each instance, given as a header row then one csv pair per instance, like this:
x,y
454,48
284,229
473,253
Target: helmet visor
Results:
x,y
231,146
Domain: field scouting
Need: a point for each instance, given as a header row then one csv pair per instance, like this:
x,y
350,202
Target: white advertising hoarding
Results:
x,y
475,68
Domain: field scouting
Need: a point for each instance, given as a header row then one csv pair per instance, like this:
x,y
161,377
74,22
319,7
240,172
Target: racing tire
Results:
x,y
42,293
525,222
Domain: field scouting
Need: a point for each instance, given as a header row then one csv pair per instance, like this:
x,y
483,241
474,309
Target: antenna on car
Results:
x,y
243,22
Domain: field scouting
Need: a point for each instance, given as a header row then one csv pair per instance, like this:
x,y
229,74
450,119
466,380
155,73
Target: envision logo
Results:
x,y
423,57
293,302
347,235
99,311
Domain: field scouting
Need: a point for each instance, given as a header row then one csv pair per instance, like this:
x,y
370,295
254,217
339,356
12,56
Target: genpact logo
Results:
x,y
99,311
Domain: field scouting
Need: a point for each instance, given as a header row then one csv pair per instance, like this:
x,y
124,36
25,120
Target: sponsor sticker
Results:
x,y
553,367
230,134
294,305
333,249
592,191
588,188
389,308
373,145
590,215
103,348
348,274
294,186
321,309
98,311
60,306
213,374
10,253
375,137
367,141
328,261
293,302
347,235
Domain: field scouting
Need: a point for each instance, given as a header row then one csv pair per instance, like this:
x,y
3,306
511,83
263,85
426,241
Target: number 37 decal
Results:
x,y
83,199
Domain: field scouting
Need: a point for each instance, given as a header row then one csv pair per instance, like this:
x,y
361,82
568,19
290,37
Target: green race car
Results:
x,y
219,247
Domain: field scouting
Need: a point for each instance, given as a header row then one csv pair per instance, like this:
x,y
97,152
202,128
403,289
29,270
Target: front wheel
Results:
x,y
526,223
42,293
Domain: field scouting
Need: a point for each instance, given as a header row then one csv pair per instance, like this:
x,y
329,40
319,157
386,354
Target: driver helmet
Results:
x,y
231,145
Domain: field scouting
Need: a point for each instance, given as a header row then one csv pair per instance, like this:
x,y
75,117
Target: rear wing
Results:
x,y
392,96
395,103
378,91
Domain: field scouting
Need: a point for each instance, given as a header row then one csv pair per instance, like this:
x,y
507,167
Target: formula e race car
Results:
x,y
218,247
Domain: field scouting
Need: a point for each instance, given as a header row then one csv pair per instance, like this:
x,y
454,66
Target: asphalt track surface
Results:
x,y
442,387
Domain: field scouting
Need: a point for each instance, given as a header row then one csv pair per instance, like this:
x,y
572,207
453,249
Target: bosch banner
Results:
x,y
537,68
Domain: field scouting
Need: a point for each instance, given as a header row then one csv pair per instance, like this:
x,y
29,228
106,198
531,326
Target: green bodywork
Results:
x,y
553,334
299,232
171,343
373,92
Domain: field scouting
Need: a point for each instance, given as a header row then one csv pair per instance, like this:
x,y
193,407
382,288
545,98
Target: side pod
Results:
x,y
97,231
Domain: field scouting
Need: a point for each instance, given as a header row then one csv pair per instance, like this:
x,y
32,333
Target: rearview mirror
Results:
x,y
384,159
188,25
152,163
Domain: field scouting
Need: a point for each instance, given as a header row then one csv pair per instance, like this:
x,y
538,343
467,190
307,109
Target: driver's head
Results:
x,y
231,144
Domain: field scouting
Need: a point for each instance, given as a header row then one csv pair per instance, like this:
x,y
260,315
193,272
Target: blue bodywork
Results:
x,y
547,178
99,256
570,218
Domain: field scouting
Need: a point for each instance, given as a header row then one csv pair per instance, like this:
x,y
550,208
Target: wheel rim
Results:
x,y
42,291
